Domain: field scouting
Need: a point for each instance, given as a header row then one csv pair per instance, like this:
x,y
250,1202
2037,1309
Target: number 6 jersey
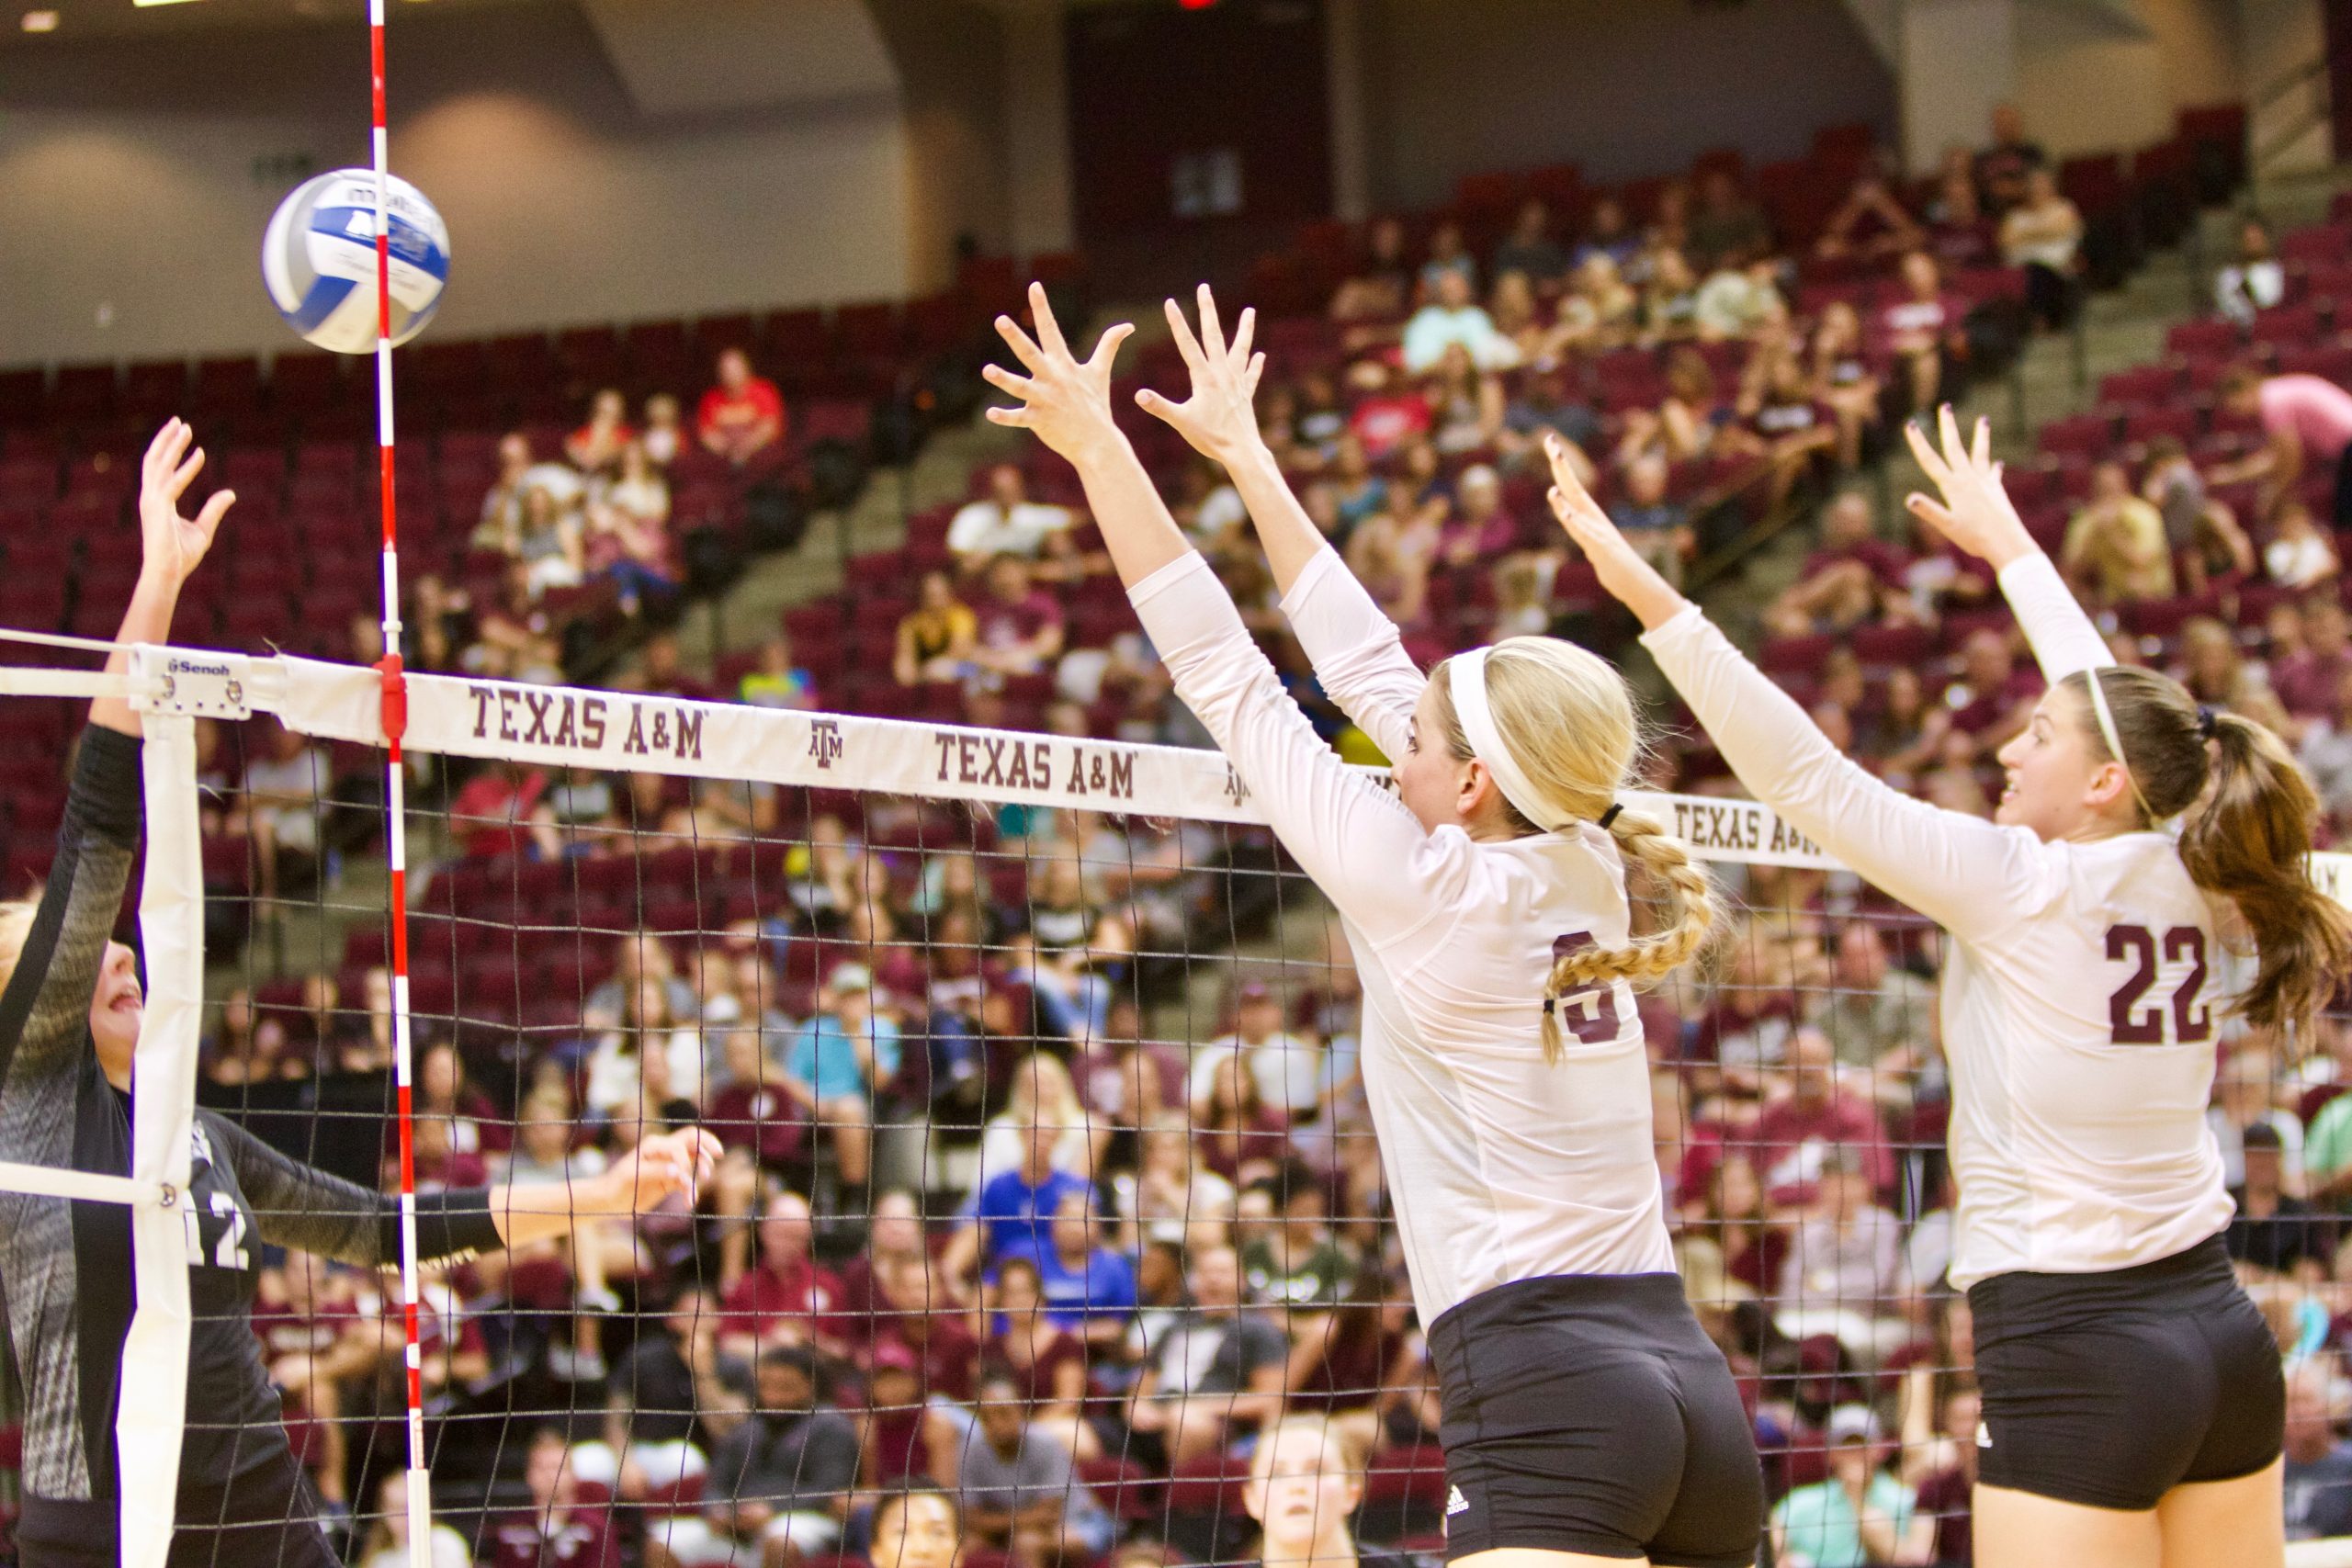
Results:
x,y
2079,997
1502,1165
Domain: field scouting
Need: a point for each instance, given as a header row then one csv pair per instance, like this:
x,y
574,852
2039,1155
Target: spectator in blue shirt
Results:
x,y
1089,1289
839,1059
1013,1211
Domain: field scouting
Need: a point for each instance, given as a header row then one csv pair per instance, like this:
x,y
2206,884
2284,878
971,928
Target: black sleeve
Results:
x,y
45,1010
302,1207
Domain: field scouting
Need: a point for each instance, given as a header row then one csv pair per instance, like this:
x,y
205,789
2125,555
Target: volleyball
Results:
x,y
318,260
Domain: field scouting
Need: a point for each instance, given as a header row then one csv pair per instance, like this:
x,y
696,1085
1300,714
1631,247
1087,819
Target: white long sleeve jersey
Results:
x,y
1502,1166
2081,993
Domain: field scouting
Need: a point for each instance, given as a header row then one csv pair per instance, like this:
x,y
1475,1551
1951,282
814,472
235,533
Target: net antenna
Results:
x,y
392,707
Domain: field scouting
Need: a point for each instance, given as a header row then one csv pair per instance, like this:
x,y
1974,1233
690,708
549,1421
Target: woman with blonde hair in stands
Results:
x,y
1588,1417
1307,1480
1041,1091
2132,1399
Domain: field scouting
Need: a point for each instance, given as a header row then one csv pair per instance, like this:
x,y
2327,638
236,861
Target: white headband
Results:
x,y
2114,743
1466,678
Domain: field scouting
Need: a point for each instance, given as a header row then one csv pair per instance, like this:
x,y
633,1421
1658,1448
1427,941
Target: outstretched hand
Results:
x,y
1624,573
1065,403
1217,419
1975,513
660,1166
174,544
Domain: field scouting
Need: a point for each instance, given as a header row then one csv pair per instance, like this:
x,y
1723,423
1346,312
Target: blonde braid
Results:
x,y
1644,841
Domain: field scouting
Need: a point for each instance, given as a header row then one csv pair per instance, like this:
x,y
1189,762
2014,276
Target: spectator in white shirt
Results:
x,y
2254,281
1454,316
1288,1067
1841,1270
1007,523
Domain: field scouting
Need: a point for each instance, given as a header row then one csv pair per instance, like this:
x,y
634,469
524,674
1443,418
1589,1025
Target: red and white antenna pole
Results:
x,y
395,721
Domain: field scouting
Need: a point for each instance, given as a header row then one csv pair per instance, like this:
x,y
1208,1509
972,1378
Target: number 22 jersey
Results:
x,y
2081,993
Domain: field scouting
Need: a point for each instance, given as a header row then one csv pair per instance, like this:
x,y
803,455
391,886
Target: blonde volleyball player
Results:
x,y
2133,1397
1586,1417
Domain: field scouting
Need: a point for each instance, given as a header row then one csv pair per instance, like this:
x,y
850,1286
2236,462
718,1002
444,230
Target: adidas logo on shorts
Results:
x,y
1455,1503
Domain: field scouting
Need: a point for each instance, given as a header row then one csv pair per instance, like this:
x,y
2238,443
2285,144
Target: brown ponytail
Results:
x,y
2249,843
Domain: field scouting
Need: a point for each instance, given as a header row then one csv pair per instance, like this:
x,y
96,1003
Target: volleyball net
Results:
x,y
1050,1179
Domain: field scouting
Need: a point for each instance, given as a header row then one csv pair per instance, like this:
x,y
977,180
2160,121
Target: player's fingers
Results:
x,y
1928,510
1028,352
186,472
1245,333
1160,408
1564,473
1923,452
215,507
1017,419
155,448
999,377
1186,344
1982,448
1257,369
1955,450
1106,351
1050,331
1212,330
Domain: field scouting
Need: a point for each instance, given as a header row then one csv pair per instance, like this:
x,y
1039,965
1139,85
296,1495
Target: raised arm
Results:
x,y
1977,515
1347,834
1961,871
300,1206
45,1006
1354,646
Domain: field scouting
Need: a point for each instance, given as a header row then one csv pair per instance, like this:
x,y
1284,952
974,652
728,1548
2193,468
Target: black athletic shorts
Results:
x,y
267,1517
2111,1389
1592,1414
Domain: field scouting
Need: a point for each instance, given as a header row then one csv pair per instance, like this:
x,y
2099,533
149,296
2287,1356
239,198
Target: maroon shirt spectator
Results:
x,y
1811,1116
1996,686
894,1418
761,1117
788,1298
2306,679
743,415
491,815
1849,534
555,1531
1020,626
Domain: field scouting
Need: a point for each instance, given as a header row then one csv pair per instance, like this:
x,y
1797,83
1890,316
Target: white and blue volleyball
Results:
x,y
318,260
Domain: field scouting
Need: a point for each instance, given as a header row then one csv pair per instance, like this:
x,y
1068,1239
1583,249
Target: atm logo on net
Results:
x,y
604,727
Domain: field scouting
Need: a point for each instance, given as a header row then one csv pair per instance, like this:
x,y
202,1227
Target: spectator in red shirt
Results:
x,y
789,1299
1020,626
1854,577
596,446
1807,1117
754,1111
1388,413
491,814
555,1531
743,416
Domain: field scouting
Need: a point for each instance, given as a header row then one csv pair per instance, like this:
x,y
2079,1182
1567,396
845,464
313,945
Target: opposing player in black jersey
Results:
x,y
70,1016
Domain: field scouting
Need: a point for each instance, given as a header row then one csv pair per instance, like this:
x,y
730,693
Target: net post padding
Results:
x,y
149,1427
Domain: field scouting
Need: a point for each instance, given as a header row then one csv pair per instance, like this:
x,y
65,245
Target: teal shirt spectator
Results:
x,y
1820,1527
822,1060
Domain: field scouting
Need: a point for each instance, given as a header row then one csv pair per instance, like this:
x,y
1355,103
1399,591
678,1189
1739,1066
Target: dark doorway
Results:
x,y
1196,130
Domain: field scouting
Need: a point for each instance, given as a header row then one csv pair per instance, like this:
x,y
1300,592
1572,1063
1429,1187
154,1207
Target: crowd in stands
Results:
x,y
999,1216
